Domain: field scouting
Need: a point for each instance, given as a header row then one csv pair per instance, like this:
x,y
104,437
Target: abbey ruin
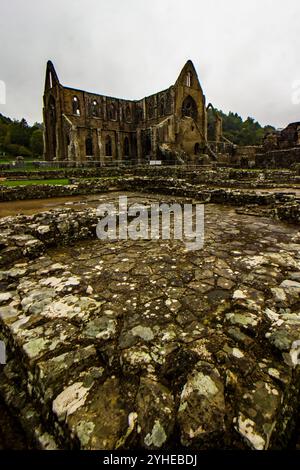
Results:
x,y
170,124
136,342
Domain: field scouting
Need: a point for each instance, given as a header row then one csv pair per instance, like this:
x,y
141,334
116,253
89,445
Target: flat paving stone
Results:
x,y
144,343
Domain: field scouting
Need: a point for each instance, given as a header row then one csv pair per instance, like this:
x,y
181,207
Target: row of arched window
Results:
x,y
164,106
89,150
95,111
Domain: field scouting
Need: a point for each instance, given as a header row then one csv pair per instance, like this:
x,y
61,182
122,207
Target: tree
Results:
x,y
19,133
248,132
36,143
19,138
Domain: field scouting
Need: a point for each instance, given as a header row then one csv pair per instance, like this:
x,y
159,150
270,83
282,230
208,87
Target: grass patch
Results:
x,y
33,182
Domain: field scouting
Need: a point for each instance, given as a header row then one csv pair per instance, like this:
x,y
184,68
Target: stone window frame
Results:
x,y
108,146
188,79
128,113
169,103
189,107
162,106
112,113
89,143
126,145
139,113
94,108
75,102
150,108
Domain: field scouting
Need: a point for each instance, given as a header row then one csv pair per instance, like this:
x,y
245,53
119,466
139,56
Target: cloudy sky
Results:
x,y
246,53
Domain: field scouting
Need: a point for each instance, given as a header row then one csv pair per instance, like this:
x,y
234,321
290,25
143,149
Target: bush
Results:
x,y
15,150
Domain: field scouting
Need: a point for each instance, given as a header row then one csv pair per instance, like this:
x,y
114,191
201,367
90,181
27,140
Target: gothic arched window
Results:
x,y
197,148
128,114
108,146
139,113
76,106
89,146
189,108
112,112
150,108
169,103
188,79
94,108
126,147
162,107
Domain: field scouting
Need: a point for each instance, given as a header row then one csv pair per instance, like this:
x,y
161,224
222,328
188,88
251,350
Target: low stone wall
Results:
x,y
29,236
278,158
289,212
171,186
107,172
15,193
207,175
224,177
63,173
244,156
274,203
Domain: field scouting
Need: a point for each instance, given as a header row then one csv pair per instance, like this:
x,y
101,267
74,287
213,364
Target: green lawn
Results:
x,y
29,167
32,182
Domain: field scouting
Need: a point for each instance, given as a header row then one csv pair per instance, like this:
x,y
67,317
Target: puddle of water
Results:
x,y
33,206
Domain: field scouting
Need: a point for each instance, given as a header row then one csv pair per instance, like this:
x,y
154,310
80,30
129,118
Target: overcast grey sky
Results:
x,y
246,53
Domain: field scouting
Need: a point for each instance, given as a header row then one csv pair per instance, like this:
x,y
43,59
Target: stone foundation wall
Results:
x,y
219,177
170,186
19,193
278,158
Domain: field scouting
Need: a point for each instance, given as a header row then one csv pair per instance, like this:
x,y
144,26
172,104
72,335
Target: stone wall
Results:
x,y
207,175
244,156
278,158
275,202
47,191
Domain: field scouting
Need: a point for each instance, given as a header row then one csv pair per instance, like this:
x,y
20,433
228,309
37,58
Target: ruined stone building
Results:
x,y
170,124
289,137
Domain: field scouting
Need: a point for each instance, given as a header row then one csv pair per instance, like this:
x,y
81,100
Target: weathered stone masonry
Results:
x,y
80,125
139,344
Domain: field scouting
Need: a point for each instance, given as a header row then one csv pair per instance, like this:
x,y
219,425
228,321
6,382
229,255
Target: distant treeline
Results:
x,y
248,132
17,138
